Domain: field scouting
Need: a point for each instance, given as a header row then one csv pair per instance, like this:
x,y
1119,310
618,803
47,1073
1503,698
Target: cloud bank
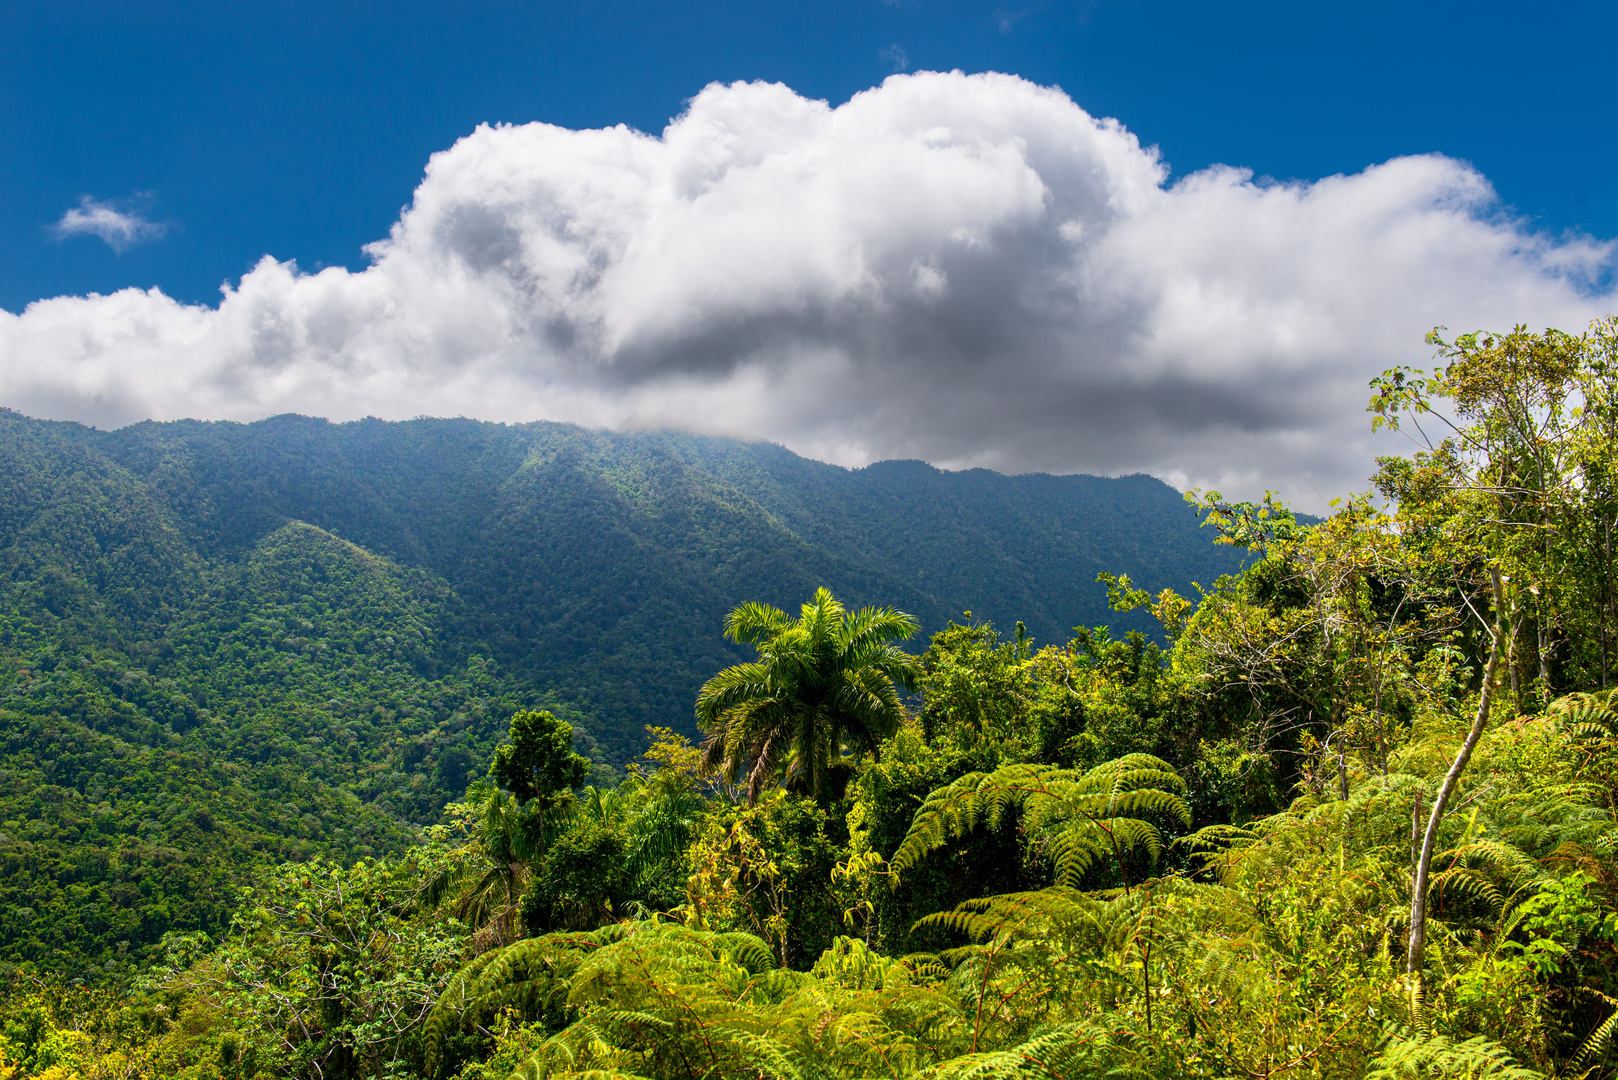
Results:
x,y
115,221
966,269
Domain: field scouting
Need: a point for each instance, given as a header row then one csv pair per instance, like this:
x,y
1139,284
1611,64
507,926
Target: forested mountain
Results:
x,y
599,564
224,643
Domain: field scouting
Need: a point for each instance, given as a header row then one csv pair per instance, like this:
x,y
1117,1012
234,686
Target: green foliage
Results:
x,y
1260,527
1276,951
823,691
487,873
663,1000
1077,819
584,880
539,760
279,718
1407,1055
661,805
223,646
766,869
977,691
884,797
1523,481
324,969
1193,855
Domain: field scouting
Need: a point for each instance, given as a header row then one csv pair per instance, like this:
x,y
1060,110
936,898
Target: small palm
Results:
x,y
484,885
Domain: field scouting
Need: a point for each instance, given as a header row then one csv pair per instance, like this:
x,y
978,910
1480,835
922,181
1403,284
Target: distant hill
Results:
x,y
226,641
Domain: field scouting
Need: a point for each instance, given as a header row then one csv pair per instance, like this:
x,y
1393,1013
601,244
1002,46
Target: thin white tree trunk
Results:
x,y
1418,892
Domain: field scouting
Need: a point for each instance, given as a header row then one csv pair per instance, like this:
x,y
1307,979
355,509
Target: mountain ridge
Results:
x,y
567,544
223,644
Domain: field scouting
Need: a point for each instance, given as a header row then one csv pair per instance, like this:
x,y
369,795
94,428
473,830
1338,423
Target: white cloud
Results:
x,y
116,221
966,269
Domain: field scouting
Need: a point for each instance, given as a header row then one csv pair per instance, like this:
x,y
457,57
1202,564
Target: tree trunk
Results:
x,y
1516,681
1545,647
1418,892
1415,834
1606,588
1146,977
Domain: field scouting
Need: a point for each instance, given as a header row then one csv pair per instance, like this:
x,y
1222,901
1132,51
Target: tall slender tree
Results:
x,y
825,687
539,766
1512,489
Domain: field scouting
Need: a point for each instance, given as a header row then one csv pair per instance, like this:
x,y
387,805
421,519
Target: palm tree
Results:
x,y
484,885
656,813
825,687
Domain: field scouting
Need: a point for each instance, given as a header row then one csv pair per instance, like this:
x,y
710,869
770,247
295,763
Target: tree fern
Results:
x,y
1081,817
1598,1042
1065,1052
529,976
661,1000
1408,1055
1587,716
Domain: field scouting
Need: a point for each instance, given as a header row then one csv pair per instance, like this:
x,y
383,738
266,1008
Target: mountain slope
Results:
x,y
601,564
226,643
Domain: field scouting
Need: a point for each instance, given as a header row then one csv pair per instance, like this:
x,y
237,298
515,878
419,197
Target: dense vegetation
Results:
x,y
1353,814
225,646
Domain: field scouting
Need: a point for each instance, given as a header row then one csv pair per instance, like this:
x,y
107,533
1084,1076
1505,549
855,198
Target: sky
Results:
x,y
1106,236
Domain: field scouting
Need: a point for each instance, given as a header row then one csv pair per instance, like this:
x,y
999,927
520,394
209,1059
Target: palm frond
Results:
x,y
752,622
824,685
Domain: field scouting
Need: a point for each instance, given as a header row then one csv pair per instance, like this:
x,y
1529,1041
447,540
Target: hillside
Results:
x,y
601,564
226,643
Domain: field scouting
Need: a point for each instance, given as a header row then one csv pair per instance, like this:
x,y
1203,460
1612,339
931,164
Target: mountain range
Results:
x,y
222,643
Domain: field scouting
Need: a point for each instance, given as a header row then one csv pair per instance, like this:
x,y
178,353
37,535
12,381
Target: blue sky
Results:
x,y
969,269
300,128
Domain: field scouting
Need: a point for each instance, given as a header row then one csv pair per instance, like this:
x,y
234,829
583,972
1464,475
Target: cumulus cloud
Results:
x,y
966,269
118,222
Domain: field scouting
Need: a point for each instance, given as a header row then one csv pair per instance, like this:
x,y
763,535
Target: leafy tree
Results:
x,y
584,882
767,869
1507,491
662,802
824,690
538,766
326,970
1522,480
976,690
539,760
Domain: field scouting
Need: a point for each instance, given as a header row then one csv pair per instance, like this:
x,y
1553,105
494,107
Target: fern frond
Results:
x,y
1081,816
1407,1055
1070,1050
1468,884
1597,1043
